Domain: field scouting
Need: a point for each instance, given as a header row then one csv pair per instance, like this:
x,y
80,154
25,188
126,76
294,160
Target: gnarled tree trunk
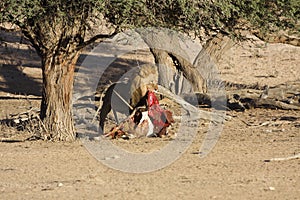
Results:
x,y
56,106
170,75
166,69
197,74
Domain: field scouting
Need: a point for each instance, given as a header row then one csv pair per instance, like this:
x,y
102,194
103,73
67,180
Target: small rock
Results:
x,y
60,184
271,188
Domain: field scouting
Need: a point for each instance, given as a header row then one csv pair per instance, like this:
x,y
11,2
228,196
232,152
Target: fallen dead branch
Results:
x,y
284,158
15,140
28,121
9,140
23,117
284,96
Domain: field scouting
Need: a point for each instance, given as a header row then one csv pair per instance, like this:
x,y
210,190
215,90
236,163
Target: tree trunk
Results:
x,y
198,73
168,51
166,69
196,82
179,78
210,55
56,106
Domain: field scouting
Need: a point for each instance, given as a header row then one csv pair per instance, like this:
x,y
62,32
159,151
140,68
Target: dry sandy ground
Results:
x,y
234,169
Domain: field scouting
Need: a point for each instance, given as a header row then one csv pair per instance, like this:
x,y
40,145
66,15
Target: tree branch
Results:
x,y
94,38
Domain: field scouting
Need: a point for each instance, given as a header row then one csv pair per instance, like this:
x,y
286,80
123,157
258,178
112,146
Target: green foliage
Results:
x,y
210,15
28,13
183,15
50,24
271,15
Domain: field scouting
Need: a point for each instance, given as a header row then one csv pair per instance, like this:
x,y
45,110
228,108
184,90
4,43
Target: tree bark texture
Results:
x,y
211,53
58,42
56,106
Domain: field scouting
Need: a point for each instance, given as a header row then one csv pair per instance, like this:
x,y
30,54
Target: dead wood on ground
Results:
x,y
284,96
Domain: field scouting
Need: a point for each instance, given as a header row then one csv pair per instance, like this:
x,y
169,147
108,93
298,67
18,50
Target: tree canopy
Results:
x,y
208,16
197,17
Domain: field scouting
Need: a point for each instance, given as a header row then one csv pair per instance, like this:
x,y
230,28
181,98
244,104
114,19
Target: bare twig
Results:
x,y
284,158
123,99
